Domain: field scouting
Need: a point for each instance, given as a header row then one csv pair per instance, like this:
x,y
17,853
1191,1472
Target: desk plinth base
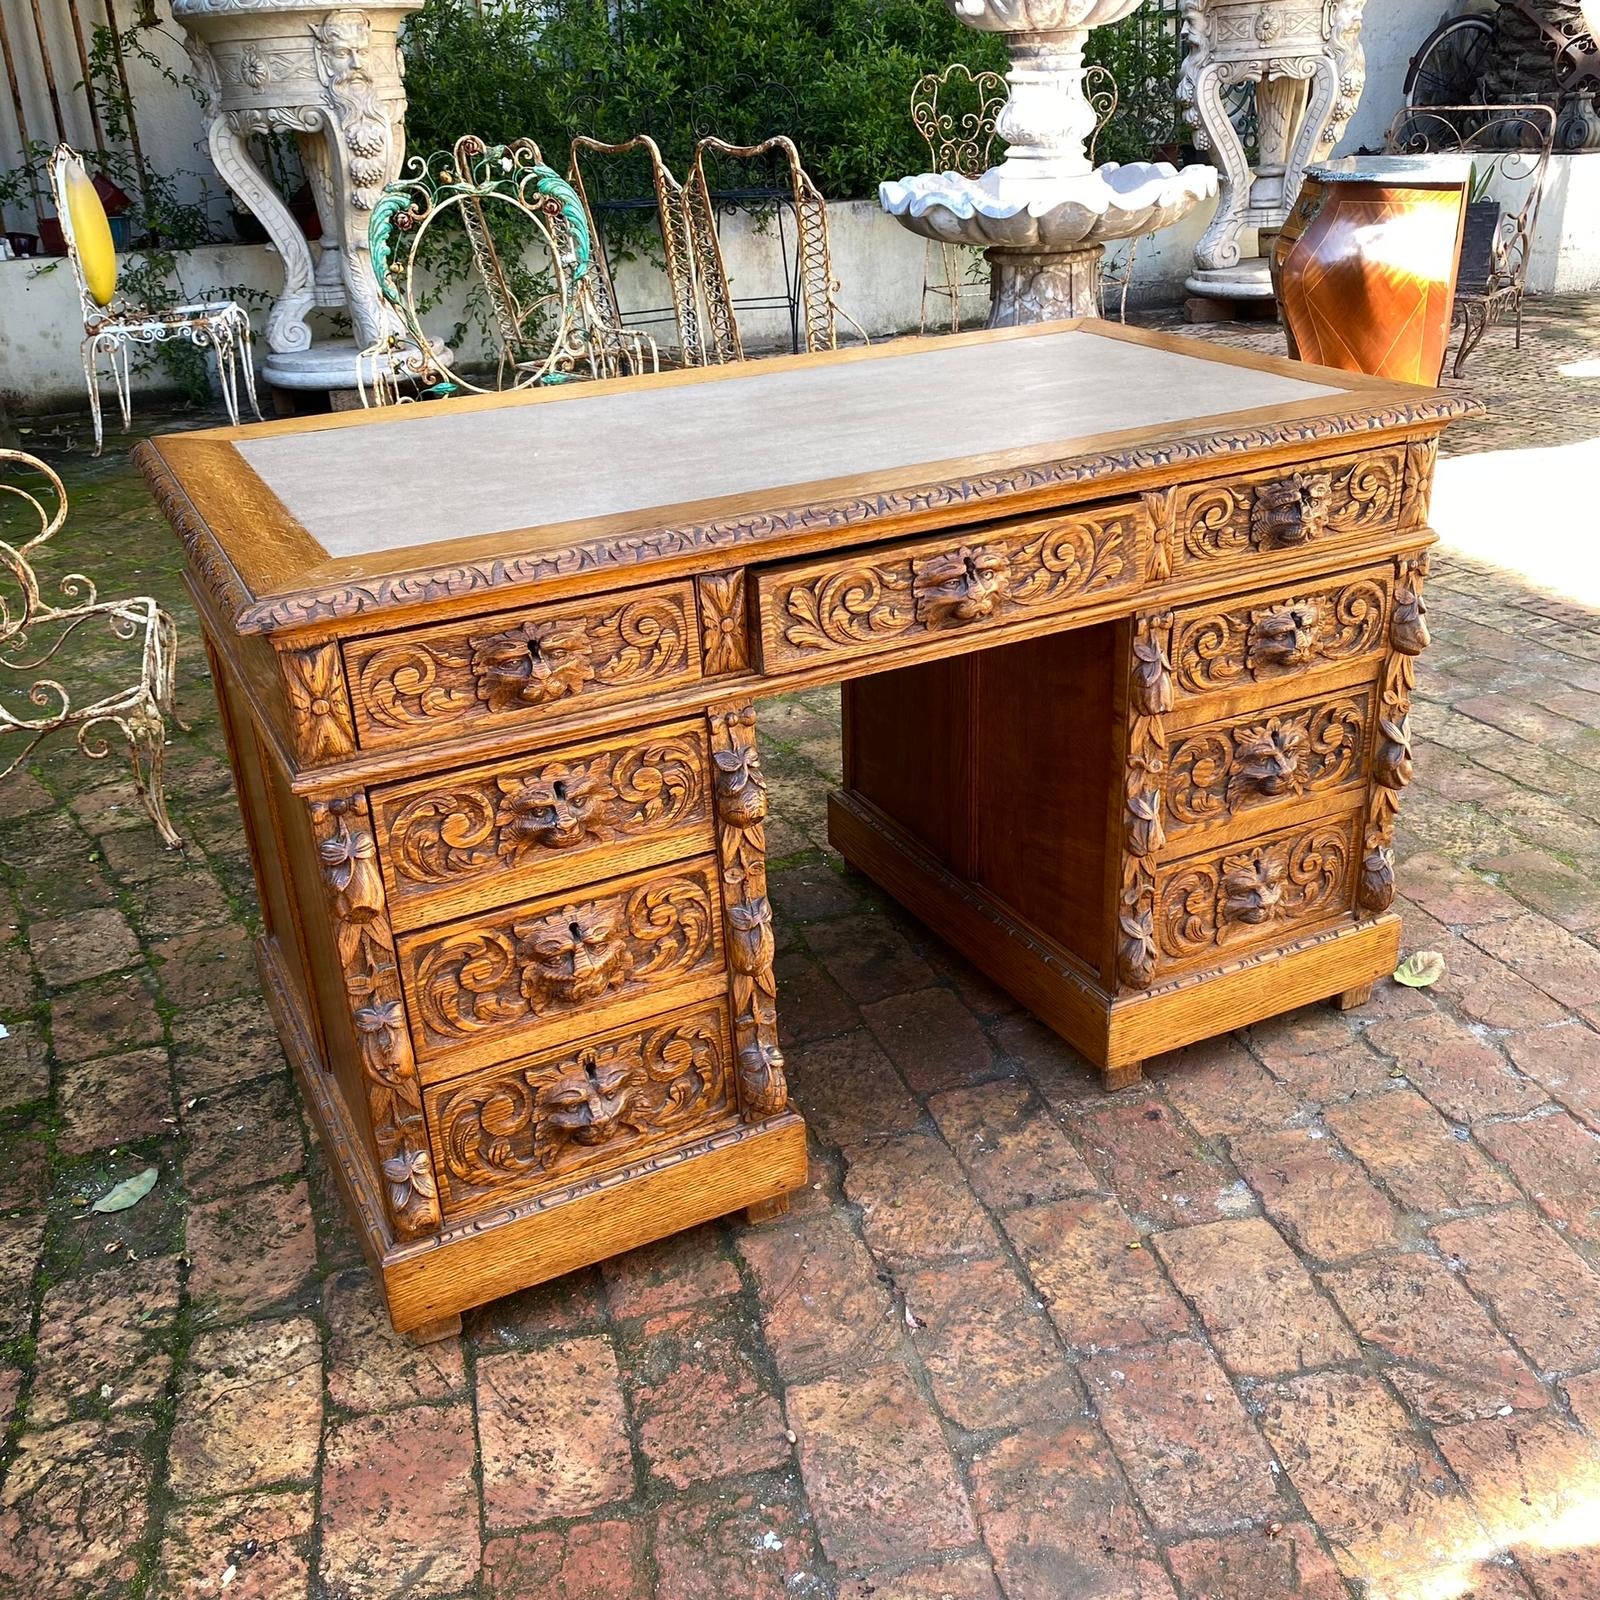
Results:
x,y
429,1282
1117,1034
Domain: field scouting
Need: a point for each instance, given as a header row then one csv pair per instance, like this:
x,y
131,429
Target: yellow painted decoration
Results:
x,y
91,233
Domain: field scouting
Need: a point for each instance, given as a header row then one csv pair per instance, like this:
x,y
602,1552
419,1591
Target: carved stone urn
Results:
x,y
330,75
1044,215
1304,58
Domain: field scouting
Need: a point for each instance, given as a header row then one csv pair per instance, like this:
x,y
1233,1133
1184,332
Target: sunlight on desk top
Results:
x,y
430,473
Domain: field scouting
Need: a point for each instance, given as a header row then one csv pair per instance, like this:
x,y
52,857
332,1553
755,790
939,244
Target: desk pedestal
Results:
x,y
1006,800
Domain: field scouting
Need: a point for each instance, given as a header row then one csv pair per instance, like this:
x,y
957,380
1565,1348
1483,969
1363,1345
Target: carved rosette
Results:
x,y
741,802
319,702
365,943
1391,765
1149,699
724,644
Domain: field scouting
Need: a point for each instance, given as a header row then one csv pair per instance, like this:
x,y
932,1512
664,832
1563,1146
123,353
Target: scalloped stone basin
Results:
x,y
1042,214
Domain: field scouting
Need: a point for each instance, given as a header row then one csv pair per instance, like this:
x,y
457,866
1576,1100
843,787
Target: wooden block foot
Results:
x,y
432,1332
766,1210
1123,1077
1353,999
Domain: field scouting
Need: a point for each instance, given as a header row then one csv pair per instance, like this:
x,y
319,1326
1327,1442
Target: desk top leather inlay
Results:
x,y
305,522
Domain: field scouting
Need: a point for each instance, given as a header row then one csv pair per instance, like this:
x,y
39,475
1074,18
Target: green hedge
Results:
x,y
674,68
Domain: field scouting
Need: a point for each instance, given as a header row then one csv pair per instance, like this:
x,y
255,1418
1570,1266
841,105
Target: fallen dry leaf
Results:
x,y
1420,969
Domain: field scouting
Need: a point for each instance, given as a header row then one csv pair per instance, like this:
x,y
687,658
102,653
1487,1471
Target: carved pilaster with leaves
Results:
x,y
724,631
1391,762
1161,505
1149,699
1415,503
741,797
365,943
319,702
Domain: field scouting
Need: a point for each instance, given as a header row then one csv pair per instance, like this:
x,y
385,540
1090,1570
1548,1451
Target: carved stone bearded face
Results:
x,y
575,955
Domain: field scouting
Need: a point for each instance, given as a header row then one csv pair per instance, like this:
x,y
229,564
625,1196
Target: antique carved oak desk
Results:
x,y
1128,626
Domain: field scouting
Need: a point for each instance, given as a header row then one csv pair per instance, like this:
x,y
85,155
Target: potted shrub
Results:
x,y
1478,236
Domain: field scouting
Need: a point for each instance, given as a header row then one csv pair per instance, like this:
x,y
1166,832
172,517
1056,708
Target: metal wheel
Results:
x,y
1448,68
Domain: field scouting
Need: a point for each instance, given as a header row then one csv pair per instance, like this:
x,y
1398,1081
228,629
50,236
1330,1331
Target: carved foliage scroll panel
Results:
x,y
869,601
479,990
540,823
1265,891
1252,763
1287,508
564,1118
1266,639
514,666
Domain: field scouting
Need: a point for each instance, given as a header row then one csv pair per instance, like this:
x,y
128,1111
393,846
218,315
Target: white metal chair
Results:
x,y
111,327
33,632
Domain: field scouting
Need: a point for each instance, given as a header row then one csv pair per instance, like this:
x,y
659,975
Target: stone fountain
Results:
x,y
1044,215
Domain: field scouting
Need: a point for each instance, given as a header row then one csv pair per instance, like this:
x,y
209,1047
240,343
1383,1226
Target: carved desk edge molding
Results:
x,y
208,562
742,536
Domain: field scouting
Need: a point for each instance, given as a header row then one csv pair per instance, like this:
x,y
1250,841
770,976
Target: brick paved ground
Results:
x,y
1317,1307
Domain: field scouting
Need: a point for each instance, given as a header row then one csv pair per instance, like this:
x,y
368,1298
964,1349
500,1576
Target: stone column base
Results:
x,y
1042,286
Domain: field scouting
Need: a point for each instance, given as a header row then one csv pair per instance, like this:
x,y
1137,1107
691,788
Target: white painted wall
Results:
x,y
879,266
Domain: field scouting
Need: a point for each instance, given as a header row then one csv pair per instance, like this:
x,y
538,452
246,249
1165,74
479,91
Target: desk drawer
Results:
x,y
1243,771
1315,505
1267,641
537,824
561,1118
987,580
531,976
1269,890
516,666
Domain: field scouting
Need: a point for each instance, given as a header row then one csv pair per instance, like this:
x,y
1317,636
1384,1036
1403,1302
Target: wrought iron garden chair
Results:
x,y
1513,143
660,193
112,327
33,631
532,276
819,288
960,139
